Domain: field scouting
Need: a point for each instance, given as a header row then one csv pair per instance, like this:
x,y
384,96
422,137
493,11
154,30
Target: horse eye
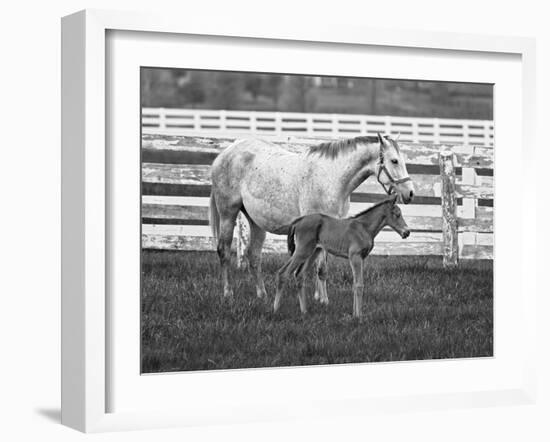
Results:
x,y
394,161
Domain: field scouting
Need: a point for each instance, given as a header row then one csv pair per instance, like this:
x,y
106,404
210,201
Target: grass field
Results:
x,y
413,309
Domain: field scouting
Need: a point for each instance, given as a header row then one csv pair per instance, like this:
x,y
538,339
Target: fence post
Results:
x,y
448,209
196,122
334,125
437,134
487,134
278,124
415,132
387,125
162,119
223,121
309,125
242,240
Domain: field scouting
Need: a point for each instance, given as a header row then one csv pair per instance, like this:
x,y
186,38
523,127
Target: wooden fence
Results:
x,y
452,214
235,123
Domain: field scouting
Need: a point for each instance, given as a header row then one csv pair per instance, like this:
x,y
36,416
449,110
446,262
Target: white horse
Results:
x,y
273,186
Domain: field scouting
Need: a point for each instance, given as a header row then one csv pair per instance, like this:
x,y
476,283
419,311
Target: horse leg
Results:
x,y
254,254
227,225
321,279
356,263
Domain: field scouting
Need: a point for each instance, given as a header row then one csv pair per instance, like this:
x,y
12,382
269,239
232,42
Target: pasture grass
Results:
x,y
413,309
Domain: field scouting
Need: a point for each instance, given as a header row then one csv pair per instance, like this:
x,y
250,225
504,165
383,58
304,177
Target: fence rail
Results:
x,y
234,123
452,183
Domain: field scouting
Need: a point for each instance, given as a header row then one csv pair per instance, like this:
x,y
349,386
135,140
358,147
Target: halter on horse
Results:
x,y
389,189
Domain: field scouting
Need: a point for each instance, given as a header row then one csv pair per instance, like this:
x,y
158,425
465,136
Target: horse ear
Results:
x,y
381,139
397,137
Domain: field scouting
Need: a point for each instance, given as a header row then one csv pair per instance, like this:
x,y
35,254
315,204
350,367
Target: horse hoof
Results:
x,y
351,319
243,264
322,299
261,294
228,294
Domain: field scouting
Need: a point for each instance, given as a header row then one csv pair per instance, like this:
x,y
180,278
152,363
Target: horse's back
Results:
x,y
262,177
273,183
232,160
249,148
245,156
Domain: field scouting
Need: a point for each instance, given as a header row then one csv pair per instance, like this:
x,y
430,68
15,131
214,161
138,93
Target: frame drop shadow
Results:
x,y
51,414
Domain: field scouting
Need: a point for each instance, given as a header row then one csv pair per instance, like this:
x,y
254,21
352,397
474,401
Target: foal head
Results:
x,y
394,219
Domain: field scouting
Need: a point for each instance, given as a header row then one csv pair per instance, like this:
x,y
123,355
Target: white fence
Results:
x,y
233,123
452,215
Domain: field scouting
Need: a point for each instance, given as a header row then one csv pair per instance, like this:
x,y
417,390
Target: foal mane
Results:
x,y
378,204
332,149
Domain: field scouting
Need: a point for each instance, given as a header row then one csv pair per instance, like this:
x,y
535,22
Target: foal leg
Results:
x,y
294,265
254,253
321,279
280,279
302,294
307,267
356,263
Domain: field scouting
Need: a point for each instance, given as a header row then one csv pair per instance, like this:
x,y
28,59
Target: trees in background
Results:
x,y
192,92
253,85
271,88
223,90
297,93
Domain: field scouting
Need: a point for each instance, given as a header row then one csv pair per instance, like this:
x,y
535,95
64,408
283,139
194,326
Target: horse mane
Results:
x,y
378,204
332,149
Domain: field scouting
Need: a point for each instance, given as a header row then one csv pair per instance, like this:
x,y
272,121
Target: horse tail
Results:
x,y
299,269
291,244
318,231
214,217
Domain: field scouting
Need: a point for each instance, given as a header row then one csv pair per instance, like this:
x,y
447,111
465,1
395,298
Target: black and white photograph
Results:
x,y
301,220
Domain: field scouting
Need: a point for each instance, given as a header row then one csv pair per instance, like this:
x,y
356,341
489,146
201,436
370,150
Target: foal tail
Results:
x,y
214,218
314,224
291,236
290,242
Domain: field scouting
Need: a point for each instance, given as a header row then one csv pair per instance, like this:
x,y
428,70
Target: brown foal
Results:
x,y
351,238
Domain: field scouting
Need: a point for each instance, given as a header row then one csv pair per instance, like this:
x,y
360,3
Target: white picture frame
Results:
x,y
85,216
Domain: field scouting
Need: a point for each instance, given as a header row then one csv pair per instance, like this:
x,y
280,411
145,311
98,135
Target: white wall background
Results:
x,y
30,221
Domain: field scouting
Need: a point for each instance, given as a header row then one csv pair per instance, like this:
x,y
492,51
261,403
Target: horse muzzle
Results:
x,y
406,195
405,234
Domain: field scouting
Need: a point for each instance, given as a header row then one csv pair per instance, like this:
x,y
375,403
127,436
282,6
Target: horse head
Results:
x,y
392,171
